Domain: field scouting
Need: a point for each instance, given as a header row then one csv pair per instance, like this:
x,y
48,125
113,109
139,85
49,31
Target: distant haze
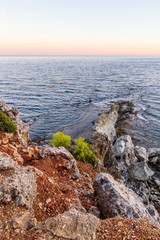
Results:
x,y
85,27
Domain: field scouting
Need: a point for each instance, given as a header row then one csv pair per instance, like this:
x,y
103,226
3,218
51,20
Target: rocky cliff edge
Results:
x,y
46,194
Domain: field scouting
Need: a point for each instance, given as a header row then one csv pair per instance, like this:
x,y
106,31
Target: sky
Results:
x,y
80,27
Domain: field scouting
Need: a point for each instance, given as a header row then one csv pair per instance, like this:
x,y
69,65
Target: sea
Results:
x,y
68,93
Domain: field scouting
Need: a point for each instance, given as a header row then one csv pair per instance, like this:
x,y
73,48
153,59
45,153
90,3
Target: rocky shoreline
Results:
x,y
46,194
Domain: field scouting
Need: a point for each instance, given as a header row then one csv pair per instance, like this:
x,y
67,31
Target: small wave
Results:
x,y
139,115
33,119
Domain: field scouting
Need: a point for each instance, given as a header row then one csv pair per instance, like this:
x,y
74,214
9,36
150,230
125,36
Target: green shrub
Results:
x,y
6,123
79,140
83,152
60,139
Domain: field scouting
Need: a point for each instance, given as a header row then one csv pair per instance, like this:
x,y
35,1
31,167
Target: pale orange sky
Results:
x,y
69,27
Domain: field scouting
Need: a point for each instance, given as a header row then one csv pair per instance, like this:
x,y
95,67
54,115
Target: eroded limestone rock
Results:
x,y
122,145
114,199
24,220
6,162
20,186
72,224
105,124
22,133
139,171
141,153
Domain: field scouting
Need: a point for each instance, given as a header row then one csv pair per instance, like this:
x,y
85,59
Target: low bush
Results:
x,y
83,151
60,139
6,123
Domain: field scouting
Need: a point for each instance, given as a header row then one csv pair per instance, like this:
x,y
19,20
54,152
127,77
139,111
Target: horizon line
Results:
x,y
72,55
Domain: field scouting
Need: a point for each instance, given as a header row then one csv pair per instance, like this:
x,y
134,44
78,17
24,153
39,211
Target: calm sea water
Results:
x,y
53,93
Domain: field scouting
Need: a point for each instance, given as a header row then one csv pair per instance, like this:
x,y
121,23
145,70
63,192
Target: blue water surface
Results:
x,y
53,92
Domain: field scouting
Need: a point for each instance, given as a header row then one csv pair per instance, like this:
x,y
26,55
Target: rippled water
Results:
x,y
53,92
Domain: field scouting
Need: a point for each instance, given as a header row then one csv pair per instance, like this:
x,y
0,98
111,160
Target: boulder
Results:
x,y
72,224
124,152
141,153
114,199
105,124
139,171
20,186
122,145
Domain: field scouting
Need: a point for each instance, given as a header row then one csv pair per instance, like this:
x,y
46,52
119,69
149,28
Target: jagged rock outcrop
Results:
x,y
18,190
137,167
134,167
105,124
20,186
114,199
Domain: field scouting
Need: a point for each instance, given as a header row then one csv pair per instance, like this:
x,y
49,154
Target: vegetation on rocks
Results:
x,y
6,123
60,139
83,151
